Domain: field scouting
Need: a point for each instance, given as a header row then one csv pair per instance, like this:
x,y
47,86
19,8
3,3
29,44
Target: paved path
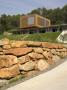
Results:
x,y
55,79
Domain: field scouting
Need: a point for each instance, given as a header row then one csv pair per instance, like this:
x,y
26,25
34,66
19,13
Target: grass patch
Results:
x,y
49,37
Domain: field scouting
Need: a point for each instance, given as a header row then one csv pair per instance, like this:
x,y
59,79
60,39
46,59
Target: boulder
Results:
x,y
36,55
56,58
31,73
1,53
38,50
1,49
50,62
53,51
23,72
60,46
4,41
64,50
6,46
42,65
63,54
27,66
49,45
23,59
7,60
18,51
46,49
58,53
47,55
58,50
18,44
33,44
7,73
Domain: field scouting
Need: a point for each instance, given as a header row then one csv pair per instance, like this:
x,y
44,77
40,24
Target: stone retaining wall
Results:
x,y
27,58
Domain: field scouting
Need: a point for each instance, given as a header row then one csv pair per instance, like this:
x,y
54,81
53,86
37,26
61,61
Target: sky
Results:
x,y
25,6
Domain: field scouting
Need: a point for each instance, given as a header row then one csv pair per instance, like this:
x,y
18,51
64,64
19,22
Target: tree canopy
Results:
x,y
57,16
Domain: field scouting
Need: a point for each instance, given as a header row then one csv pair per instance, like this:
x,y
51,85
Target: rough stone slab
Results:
x,y
36,55
56,58
42,65
38,50
18,44
7,60
33,44
6,73
27,66
47,55
23,59
4,41
1,49
51,45
18,51
6,46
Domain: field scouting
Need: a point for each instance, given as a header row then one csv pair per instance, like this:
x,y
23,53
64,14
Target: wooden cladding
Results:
x,y
33,20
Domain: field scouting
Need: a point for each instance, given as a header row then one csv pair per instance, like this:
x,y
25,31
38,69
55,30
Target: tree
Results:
x,y
64,10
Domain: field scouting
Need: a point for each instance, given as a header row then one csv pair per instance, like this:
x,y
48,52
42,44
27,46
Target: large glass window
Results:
x,y
30,20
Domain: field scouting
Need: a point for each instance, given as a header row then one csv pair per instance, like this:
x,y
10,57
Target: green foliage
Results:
x,y
49,37
57,16
8,22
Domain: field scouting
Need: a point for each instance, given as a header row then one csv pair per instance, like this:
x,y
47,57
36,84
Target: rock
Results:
x,y
58,50
1,53
50,62
63,54
1,49
49,45
7,60
47,55
18,51
7,73
24,59
46,49
38,50
60,46
58,53
18,44
56,58
36,55
27,66
42,65
53,51
33,44
6,46
31,73
4,41
23,72
63,50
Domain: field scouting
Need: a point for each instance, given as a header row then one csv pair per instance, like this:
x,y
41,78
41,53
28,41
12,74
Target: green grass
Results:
x,y
49,37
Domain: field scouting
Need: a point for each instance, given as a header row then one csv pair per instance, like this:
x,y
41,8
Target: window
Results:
x,y
30,20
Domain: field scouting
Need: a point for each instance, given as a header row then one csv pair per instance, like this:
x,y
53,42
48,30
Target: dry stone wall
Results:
x,y
27,58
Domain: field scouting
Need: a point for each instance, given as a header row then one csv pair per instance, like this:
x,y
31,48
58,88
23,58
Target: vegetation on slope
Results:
x,y
49,37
